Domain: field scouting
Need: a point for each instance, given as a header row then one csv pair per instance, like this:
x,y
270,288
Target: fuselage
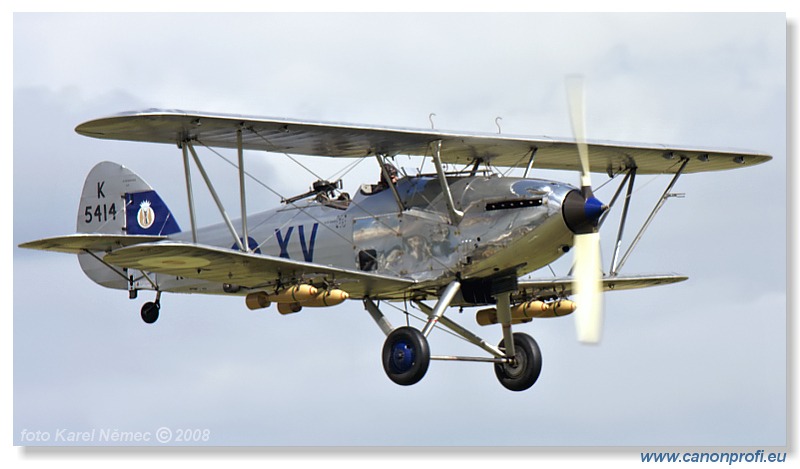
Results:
x,y
508,223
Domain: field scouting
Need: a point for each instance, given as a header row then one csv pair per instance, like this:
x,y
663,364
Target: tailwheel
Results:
x,y
406,355
524,369
150,311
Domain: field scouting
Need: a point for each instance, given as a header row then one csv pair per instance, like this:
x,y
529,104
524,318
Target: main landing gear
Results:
x,y
406,354
523,369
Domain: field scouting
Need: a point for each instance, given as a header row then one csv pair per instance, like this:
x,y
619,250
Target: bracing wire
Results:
x,y
356,204
306,212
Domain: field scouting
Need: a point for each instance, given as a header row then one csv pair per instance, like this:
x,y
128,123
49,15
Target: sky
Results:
x,y
701,363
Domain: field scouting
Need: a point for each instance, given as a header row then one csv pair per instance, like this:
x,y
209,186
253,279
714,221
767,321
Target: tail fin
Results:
x,y
115,200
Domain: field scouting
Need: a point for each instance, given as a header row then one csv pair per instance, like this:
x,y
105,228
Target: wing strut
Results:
x,y
630,177
186,146
614,199
475,167
530,162
455,214
242,197
215,196
189,194
388,179
666,195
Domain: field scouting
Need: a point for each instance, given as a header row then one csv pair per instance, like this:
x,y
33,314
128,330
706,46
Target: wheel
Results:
x,y
406,356
150,312
527,366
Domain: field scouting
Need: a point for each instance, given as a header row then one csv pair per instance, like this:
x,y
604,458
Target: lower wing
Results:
x,y
562,286
249,270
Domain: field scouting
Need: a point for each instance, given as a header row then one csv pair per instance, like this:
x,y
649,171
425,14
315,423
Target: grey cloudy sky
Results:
x,y
702,363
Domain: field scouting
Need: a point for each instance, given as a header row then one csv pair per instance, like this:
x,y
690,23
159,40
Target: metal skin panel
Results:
x,y
356,141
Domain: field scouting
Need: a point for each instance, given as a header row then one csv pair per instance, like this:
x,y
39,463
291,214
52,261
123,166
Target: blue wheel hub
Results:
x,y
402,358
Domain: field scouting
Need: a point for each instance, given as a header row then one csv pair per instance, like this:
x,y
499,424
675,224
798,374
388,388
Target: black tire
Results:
x,y
150,312
406,356
528,364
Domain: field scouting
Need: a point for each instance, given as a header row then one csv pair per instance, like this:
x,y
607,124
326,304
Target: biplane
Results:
x,y
449,238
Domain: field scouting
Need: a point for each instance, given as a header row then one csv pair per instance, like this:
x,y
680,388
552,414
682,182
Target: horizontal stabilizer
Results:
x,y
78,243
562,286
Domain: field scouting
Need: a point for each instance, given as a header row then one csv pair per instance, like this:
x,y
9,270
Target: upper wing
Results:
x,y
250,270
348,140
562,286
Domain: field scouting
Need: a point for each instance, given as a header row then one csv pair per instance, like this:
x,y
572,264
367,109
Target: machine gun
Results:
x,y
321,188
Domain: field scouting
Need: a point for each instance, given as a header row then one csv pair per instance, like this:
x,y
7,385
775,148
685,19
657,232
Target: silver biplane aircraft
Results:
x,y
456,239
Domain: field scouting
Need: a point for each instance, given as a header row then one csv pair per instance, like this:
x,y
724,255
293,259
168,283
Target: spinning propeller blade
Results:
x,y
588,288
587,283
577,107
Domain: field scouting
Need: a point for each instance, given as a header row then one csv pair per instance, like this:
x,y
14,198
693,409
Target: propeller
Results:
x,y
584,212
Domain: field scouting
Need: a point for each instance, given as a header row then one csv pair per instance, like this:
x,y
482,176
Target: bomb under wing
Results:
x,y
292,299
525,312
